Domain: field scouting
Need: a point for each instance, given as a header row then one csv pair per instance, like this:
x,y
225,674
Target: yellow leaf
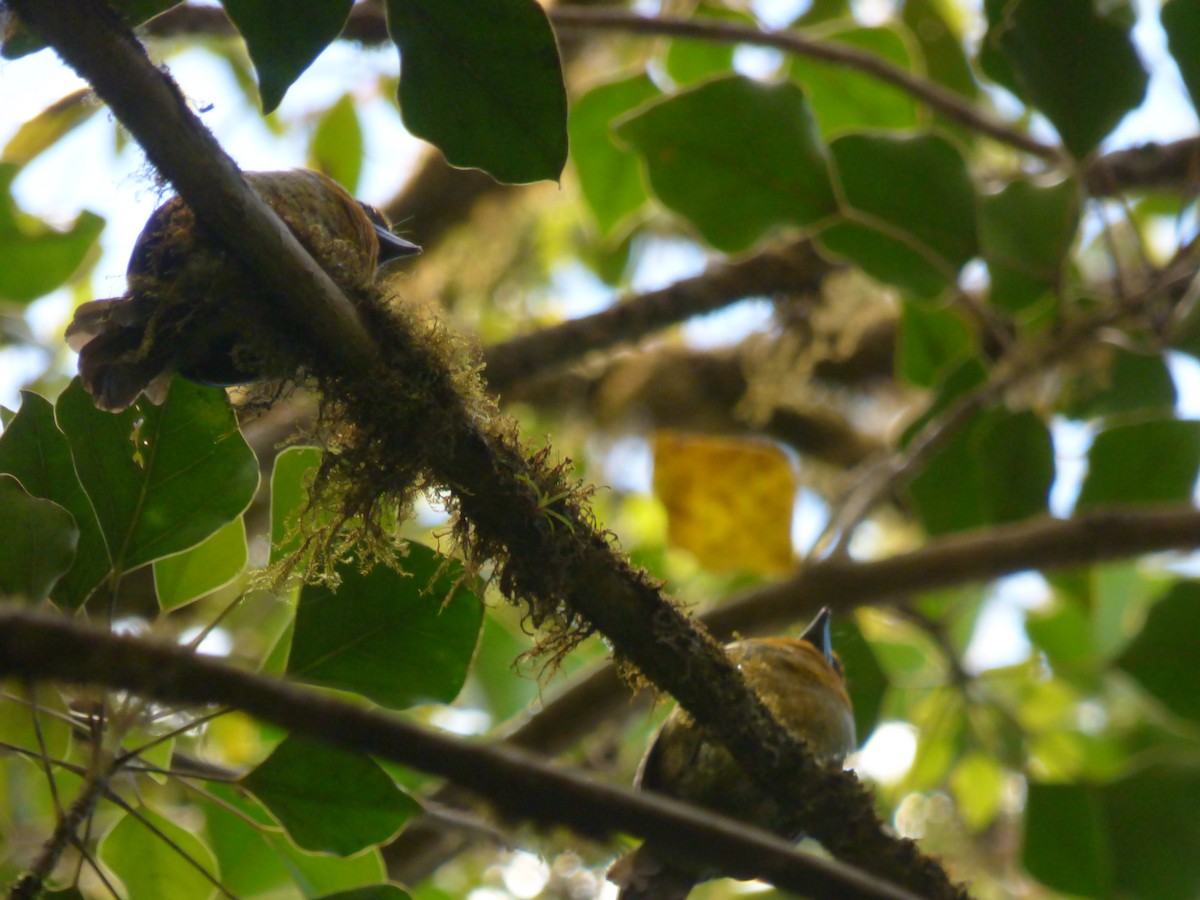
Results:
x,y
728,500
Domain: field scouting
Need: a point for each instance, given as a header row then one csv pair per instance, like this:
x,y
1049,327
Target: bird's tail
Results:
x,y
643,876
113,366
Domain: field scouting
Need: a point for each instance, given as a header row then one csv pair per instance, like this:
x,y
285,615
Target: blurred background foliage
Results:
x,y
789,312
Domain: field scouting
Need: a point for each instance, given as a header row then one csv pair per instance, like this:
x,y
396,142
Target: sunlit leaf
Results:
x,y
210,565
609,175
728,501
489,98
34,258
696,144
47,127
329,799
149,866
336,147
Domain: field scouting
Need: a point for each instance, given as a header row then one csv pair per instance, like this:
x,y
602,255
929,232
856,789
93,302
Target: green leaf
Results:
x,y
330,800
317,873
1146,462
1122,839
1025,233
1060,53
336,147
249,862
942,49
736,157
371,892
609,176
931,340
161,479
150,867
866,682
284,37
1129,383
688,61
1066,846
1162,657
210,565
1181,21
290,479
488,96
37,453
1063,633
843,99
399,639
45,129
34,258
997,469
909,206
38,543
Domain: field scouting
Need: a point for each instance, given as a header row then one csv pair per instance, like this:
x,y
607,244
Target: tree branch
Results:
x,y
1039,545
34,646
499,491
1174,167
794,268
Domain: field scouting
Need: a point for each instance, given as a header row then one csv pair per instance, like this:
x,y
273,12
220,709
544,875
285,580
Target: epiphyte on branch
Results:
x,y
187,305
800,681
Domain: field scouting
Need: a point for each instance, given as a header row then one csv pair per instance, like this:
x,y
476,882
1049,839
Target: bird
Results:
x,y
182,310
801,682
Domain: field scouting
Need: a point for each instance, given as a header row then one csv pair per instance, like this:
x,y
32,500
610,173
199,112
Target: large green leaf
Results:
x,y
210,565
931,341
609,175
37,453
736,157
997,469
150,867
336,147
909,208
290,480
481,80
34,258
397,638
1129,838
1162,657
37,545
161,479
1154,461
1126,382
843,99
284,37
688,61
1076,65
328,799
1181,21
1025,232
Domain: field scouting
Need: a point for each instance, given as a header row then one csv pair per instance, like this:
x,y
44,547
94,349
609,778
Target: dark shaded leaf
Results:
x,y
37,453
1162,657
1145,462
38,543
328,799
1059,54
161,479
399,639
931,340
284,37
909,208
489,97
1025,233
1181,21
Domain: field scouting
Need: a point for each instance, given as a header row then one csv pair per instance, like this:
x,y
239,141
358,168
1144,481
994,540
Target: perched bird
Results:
x,y
183,308
801,682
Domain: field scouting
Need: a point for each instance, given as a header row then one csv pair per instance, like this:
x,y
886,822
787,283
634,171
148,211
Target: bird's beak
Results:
x,y
393,246
817,634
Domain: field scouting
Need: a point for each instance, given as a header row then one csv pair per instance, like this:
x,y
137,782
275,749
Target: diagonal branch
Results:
x,y
500,492
36,646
